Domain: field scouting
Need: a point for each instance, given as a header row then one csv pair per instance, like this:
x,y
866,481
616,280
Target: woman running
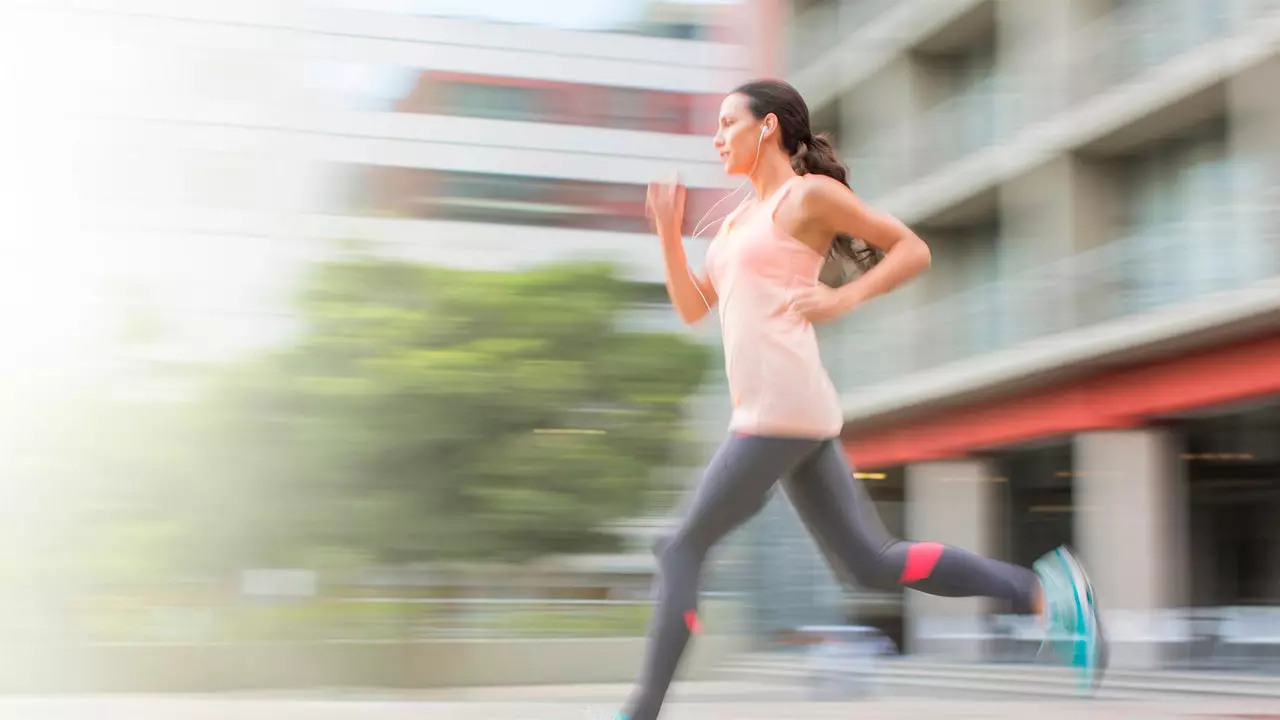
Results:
x,y
762,273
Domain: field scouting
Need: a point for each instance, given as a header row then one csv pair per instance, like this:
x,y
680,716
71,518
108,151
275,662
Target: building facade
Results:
x,y
224,146
233,143
1093,357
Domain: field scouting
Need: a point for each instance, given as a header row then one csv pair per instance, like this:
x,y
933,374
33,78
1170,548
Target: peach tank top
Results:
x,y
778,384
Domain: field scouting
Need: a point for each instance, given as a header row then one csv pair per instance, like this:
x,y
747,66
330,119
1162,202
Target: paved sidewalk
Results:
x,y
895,709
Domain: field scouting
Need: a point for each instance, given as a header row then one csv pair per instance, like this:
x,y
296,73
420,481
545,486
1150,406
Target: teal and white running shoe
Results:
x,y
1073,632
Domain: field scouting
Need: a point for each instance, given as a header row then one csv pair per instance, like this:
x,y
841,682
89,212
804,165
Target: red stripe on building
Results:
x,y
1116,399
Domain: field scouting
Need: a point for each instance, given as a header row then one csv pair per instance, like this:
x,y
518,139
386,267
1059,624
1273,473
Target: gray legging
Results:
x,y
839,514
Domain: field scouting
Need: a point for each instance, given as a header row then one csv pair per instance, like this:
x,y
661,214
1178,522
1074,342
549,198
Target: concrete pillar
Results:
x,y
1048,215
1037,229
926,332
876,133
876,142
949,502
1064,206
1056,210
1131,532
1040,47
1034,56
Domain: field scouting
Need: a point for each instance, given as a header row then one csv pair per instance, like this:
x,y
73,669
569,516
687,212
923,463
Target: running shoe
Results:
x,y
1073,631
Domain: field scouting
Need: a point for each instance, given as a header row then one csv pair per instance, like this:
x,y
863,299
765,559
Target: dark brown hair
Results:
x,y
809,153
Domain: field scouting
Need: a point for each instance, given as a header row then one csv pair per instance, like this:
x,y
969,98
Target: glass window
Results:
x,y
506,199
487,100
1180,193
565,103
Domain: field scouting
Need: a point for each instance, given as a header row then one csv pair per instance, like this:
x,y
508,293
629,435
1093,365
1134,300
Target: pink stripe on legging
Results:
x,y
921,559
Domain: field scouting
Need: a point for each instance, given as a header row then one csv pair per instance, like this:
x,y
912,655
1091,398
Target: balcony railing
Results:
x,y
1137,37
879,165
1112,50
960,125
821,27
1141,272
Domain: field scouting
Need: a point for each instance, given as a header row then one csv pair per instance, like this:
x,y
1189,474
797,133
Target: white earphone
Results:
x,y
699,228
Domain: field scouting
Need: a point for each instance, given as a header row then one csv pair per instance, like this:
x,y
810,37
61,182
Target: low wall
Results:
x,y
190,668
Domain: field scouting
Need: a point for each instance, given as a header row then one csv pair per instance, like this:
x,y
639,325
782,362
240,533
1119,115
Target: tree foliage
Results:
x,y
422,414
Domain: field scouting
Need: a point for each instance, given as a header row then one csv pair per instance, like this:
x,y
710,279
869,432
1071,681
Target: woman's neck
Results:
x,y
774,170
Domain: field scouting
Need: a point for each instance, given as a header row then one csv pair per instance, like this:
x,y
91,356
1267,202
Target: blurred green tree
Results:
x,y
426,414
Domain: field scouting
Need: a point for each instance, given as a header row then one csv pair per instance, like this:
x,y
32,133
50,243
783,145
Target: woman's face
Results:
x,y
738,136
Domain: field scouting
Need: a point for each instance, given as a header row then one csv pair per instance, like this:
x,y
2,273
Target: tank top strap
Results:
x,y
781,194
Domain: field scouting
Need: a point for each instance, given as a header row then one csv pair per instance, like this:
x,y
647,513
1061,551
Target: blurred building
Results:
x,y
230,144
1095,356
1092,358
238,141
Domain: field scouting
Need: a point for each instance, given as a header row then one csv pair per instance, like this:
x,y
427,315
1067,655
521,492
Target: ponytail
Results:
x,y
816,155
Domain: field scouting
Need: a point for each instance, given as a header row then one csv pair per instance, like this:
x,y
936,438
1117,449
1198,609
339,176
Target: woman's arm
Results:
x,y
692,296
905,254
834,207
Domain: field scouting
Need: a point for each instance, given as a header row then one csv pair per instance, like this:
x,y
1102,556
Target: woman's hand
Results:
x,y
819,303
665,204
692,296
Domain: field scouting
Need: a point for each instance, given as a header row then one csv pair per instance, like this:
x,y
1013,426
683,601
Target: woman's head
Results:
x,y
761,116
770,116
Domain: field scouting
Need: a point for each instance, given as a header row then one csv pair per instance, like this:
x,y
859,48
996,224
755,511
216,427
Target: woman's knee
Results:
x,y
671,549
880,570
880,574
661,543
